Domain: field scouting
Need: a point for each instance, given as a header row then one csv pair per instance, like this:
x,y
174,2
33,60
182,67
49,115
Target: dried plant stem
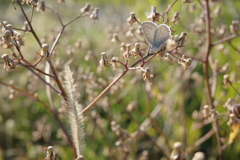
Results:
x,y
200,141
42,79
225,39
206,72
103,92
235,89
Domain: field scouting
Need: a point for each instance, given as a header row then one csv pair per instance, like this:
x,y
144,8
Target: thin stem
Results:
x,y
32,14
234,89
200,141
169,7
207,77
225,39
103,92
43,80
30,24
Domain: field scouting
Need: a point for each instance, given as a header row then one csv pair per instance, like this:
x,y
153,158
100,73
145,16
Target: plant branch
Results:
x,y
226,39
207,76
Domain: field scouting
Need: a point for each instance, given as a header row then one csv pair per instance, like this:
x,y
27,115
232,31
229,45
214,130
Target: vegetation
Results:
x,y
82,80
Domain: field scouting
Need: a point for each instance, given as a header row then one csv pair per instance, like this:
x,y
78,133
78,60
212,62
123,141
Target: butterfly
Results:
x,y
155,34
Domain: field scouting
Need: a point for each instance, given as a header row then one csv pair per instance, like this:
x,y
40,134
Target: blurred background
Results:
x,y
175,99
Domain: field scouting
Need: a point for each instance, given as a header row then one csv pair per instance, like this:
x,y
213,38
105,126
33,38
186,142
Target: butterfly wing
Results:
x,y
161,34
149,29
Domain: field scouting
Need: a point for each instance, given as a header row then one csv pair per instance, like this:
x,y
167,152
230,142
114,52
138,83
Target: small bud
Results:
x,y
85,9
176,18
9,63
185,62
136,51
94,14
234,27
132,19
126,54
104,62
147,76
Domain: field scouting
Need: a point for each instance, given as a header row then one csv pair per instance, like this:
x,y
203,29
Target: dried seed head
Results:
x,y
206,111
176,152
44,50
185,62
226,80
130,33
136,51
104,62
20,41
80,157
214,115
139,31
147,76
175,18
78,44
50,154
132,19
85,9
115,38
7,39
154,15
181,40
9,63
234,27
41,6
126,54
199,156
167,57
94,14
114,62
123,47
162,52
233,120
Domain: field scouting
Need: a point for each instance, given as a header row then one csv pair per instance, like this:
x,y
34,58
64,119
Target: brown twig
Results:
x,y
207,77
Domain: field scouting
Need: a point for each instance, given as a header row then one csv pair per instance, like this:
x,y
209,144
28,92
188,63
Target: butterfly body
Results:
x,y
155,34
